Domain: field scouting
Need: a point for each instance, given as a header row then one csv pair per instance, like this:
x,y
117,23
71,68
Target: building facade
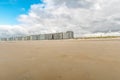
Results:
x,y
51,36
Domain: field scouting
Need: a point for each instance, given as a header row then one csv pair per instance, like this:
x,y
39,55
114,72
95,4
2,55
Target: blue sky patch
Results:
x,y
11,9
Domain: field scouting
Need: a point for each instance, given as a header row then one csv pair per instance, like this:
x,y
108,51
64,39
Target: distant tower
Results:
x,y
68,35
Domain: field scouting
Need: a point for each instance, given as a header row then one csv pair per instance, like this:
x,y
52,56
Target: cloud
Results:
x,y
9,31
71,3
99,34
81,16
67,15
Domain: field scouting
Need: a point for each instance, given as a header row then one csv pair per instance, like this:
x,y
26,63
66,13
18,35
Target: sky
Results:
x,y
84,17
11,9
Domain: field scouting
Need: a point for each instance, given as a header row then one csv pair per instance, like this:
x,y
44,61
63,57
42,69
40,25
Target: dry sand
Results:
x,y
60,60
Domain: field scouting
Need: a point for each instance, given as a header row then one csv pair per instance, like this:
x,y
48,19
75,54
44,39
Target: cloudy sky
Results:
x,y
84,17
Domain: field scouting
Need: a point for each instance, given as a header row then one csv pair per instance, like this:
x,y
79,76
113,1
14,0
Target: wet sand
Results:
x,y
60,60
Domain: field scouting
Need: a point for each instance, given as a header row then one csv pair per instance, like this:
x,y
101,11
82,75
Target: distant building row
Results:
x,y
53,36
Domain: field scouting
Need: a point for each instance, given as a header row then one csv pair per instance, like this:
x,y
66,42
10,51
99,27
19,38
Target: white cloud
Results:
x,y
81,16
8,31
99,34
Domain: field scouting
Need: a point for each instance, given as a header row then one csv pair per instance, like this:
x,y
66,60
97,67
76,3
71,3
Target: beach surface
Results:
x,y
60,60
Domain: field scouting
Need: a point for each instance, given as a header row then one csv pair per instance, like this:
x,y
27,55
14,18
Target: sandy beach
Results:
x,y
60,60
